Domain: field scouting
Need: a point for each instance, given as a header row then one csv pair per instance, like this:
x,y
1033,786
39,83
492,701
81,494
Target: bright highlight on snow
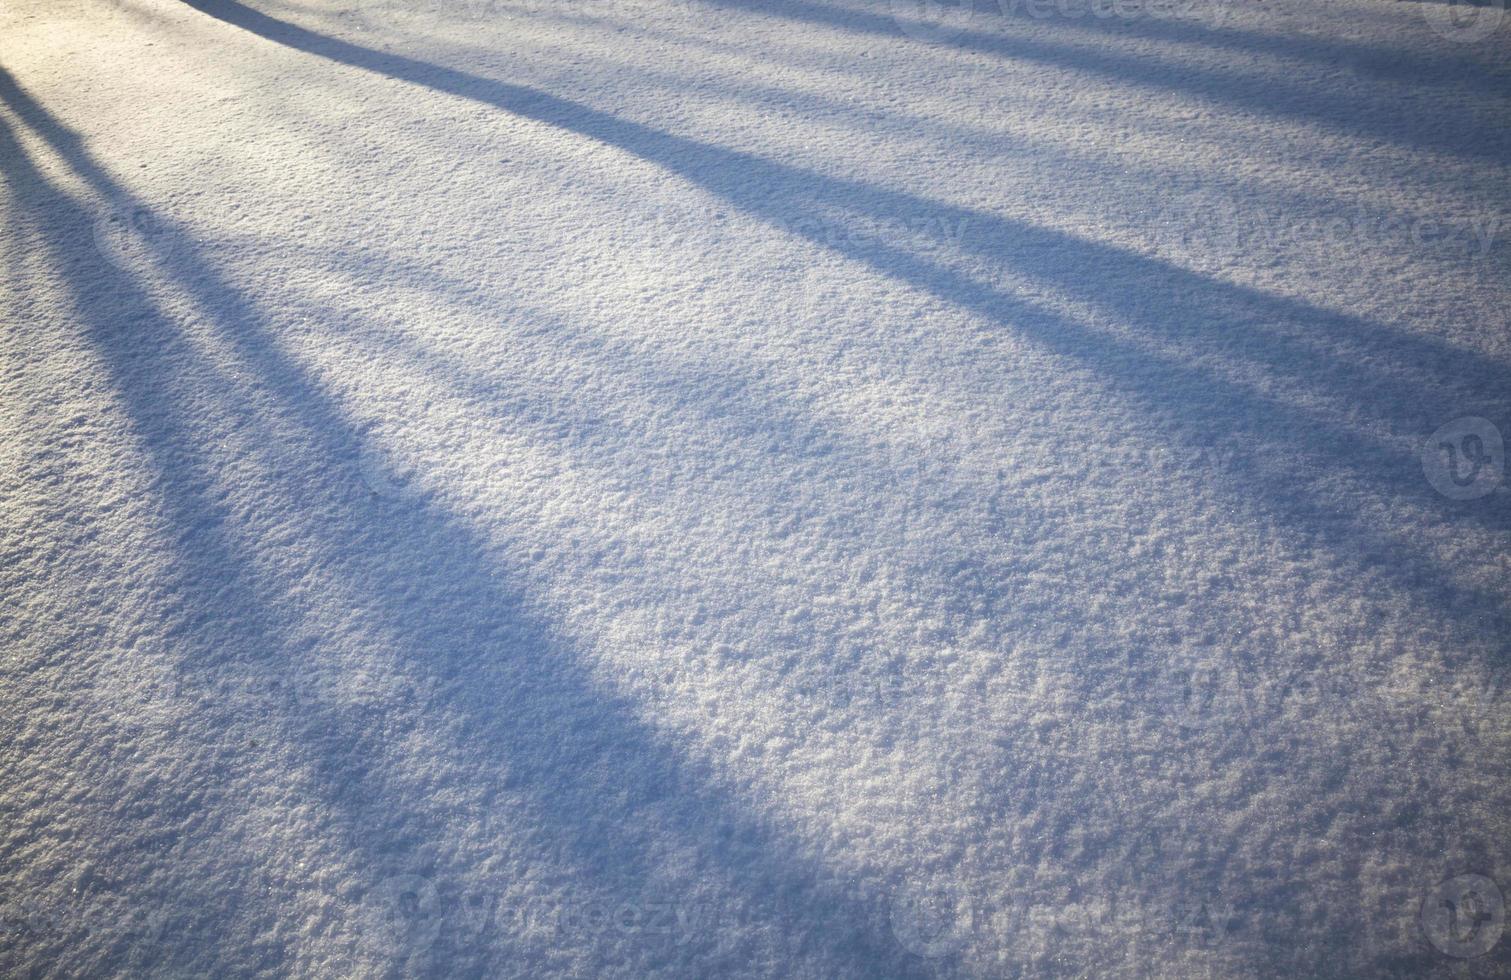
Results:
x,y
702,488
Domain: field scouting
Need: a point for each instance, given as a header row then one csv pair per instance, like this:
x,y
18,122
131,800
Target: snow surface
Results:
x,y
816,488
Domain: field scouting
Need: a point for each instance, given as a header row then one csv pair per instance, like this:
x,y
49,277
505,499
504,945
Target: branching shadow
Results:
x,y
607,790
1455,129
1187,321
595,786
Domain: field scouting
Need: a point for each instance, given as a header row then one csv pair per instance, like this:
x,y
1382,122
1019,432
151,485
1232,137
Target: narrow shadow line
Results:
x,y
1330,53
1452,130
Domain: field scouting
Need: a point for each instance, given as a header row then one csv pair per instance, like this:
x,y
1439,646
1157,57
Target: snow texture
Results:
x,y
809,488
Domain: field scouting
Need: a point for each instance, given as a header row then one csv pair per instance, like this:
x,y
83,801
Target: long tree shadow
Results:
x,y
1190,327
1172,299
1121,832
1196,27
1452,128
608,793
543,683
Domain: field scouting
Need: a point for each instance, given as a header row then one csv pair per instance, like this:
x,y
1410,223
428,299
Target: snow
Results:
x,y
811,488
